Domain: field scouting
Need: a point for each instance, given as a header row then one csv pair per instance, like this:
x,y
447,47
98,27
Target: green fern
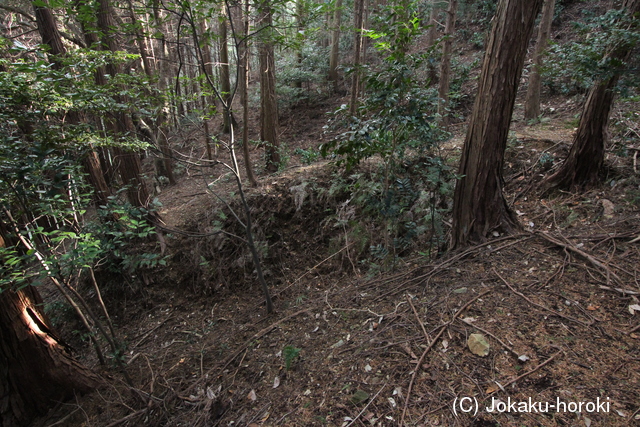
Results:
x,y
290,353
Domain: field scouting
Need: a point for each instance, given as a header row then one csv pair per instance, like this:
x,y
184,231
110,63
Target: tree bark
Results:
x,y
36,372
300,20
207,69
48,29
355,84
432,35
532,103
128,162
366,41
243,75
225,84
140,40
335,46
581,167
433,24
445,64
268,100
479,205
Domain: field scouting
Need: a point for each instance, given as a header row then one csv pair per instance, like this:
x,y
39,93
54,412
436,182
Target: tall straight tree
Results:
x,y
358,14
532,102
48,29
479,206
433,24
581,167
141,42
445,64
225,83
432,34
300,24
128,161
335,45
207,71
242,48
268,100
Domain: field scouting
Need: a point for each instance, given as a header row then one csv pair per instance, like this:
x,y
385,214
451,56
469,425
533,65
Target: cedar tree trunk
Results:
x,y
128,162
532,103
445,65
479,206
335,46
36,372
243,74
355,85
48,29
225,84
580,168
268,100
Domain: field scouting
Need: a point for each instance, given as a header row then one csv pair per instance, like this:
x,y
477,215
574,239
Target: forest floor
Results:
x,y
557,303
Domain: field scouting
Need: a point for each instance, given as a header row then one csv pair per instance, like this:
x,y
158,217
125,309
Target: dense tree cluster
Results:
x,y
88,88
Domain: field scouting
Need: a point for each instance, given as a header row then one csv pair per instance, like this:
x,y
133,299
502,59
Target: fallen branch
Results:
x,y
435,268
415,312
557,313
418,367
583,254
62,421
622,291
442,327
546,362
152,329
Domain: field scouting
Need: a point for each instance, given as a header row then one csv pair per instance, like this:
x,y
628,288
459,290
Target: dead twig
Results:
x,y
442,327
62,421
128,417
418,367
365,408
434,268
243,347
415,312
546,362
568,246
523,296
313,268
233,378
622,291
152,330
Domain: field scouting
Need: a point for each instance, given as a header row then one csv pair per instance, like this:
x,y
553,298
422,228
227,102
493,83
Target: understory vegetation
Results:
x,y
241,213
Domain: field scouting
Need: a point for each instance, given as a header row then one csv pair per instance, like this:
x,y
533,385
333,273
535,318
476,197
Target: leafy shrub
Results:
x,y
44,194
406,197
574,67
307,156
